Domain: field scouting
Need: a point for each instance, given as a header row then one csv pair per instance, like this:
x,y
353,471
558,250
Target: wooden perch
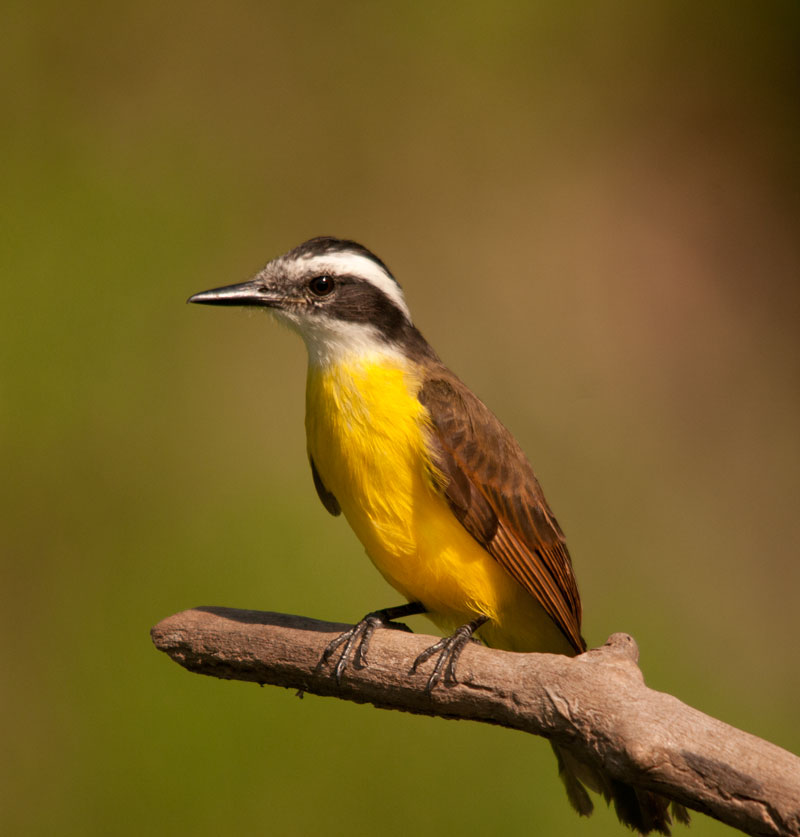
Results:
x,y
596,704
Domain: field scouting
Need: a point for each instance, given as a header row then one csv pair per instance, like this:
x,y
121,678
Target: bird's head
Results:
x,y
340,297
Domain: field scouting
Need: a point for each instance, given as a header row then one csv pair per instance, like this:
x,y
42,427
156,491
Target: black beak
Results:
x,y
246,293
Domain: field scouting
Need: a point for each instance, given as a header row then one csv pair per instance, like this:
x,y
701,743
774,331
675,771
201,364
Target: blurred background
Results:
x,y
593,209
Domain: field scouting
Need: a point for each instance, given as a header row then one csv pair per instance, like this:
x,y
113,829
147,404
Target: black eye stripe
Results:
x,y
359,301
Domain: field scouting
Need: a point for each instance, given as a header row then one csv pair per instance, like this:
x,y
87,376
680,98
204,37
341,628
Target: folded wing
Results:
x,y
494,493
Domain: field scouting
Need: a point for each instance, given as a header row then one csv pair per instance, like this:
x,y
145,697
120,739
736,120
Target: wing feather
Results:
x,y
493,491
328,500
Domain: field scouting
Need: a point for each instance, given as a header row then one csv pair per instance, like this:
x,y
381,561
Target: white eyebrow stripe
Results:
x,y
353,264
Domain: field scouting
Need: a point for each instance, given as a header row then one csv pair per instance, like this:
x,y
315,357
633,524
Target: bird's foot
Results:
x,y
449,650
356,639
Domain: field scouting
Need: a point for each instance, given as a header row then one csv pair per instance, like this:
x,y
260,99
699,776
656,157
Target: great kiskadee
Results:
x,y
436,489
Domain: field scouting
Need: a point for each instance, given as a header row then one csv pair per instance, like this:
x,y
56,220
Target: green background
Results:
x,y
593,208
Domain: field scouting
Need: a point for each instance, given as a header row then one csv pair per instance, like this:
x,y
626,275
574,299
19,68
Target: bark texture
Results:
x,y
596,704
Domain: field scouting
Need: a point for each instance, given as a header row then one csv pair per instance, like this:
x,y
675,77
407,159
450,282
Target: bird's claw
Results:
x,y
356,640
449,650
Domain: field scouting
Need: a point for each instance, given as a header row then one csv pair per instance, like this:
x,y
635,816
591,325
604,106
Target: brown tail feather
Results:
x,y
641,810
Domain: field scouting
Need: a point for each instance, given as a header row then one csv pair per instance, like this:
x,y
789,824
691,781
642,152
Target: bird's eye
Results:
x,y
321,285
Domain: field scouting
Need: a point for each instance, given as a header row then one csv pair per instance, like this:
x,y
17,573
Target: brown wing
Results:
x,y
494,493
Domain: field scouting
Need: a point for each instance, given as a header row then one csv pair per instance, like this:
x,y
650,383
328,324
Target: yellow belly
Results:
x,y
366,433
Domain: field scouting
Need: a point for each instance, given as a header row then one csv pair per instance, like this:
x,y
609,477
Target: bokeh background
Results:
x,y
594,211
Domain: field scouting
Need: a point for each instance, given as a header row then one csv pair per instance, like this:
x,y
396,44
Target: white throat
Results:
x,y
333,342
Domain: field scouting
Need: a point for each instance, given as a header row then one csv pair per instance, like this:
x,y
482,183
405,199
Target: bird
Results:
x,y
438,491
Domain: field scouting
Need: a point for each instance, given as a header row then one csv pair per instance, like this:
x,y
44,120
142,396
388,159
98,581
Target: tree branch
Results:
x,y
596,704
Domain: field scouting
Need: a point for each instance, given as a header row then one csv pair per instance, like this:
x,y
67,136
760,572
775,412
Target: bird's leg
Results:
x,y
356,640
449,650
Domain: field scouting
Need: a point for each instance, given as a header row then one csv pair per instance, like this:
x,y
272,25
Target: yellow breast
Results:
x,y
365,431
367,434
